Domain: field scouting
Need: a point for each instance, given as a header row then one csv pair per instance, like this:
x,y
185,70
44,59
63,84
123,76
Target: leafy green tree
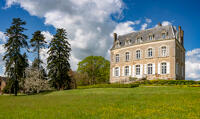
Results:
x,y
58,60
96,67
16,62
38,42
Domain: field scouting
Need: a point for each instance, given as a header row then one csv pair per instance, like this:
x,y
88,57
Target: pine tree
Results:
x,y
38,42
58,60
16,62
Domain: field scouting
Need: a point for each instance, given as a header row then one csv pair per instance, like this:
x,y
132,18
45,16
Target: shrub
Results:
x,y
32,84
168,82
115,85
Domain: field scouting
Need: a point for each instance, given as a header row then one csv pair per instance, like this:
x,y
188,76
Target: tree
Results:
x,y
16,63
96,67
38,42
42,72
58,60
32,84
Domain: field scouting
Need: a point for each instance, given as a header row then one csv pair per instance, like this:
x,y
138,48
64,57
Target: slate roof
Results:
x,y
157,31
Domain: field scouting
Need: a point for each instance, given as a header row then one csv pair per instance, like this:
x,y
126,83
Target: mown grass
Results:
x,y
105,103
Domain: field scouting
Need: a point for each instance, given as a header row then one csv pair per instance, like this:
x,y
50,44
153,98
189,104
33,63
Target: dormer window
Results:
x,y
151,37
139,40
163,35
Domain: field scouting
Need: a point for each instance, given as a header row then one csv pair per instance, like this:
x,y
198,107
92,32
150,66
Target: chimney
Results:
x,y
115,36
180,35
159,24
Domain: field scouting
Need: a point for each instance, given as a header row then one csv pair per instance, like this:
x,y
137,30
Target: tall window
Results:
x,y
137,69
150,52
126,70
127,56
163,35
117,71
150,69
117,58
139,40
138,54
151,37
164,68
164,51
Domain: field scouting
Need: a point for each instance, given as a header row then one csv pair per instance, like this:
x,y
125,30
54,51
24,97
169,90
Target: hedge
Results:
x,y
168,82
115,85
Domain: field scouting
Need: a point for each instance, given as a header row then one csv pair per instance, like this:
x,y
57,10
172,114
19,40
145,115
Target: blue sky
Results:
x,y
90,23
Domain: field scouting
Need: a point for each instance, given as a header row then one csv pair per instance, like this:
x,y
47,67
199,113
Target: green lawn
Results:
x,y
102,103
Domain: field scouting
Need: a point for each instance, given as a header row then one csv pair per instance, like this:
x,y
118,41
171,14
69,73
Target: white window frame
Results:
x,y
164,68
117,58
164,51
116,72
138,54
126,71
149,69
127,56
150,52
137,70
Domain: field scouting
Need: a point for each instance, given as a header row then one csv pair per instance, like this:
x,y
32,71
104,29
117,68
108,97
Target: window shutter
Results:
x,y
145,69
113,71
141,69
141,54
154,68
154,53
158,68
119,72
129,70
168,67
123,71
133,73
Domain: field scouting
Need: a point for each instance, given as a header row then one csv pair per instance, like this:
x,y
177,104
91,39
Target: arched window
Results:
x,y
164,51
126,71
163,35
150,52
138,54
117,58
127,56
150,69
164,68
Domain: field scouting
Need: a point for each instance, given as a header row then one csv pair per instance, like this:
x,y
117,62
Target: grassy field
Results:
x,y
104,103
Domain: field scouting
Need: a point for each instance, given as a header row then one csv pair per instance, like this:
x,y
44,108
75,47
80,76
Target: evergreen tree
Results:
x,y
58,60
42,72
16,62
38,42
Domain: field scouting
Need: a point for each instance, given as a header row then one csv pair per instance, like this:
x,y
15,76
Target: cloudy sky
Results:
x,y
90,24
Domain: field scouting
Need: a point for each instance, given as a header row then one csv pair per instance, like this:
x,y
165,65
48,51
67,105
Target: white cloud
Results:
x,y
165,23
2,63
193,64
124,27
88,22
148,20
144,26
48,36
3,37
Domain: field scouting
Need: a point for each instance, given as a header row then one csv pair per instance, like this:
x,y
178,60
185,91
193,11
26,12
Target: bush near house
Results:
x,y
115,85
167,82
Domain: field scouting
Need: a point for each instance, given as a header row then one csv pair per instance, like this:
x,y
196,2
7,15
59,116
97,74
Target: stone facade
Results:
x,y
156,53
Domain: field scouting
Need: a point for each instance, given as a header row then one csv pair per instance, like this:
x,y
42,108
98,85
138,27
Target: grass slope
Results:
x,y
105,103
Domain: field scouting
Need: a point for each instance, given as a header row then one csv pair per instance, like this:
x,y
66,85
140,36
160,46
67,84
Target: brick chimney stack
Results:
x,y
180,35
115,37
159,24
